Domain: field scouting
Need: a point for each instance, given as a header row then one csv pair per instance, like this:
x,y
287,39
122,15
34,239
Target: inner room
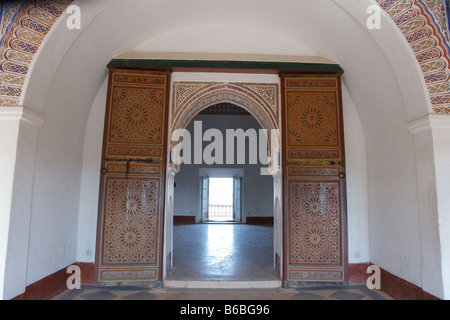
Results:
x,y
223,210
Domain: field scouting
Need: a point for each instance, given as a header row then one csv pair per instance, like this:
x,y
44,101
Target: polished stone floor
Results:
x,y
218,251
316,293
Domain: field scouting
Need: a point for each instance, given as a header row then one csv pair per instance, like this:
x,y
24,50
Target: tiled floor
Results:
x,y
317,293
223,254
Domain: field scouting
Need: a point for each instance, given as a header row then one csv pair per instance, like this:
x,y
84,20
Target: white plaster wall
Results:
x,y
20,219
394,235
431,135
211,39
168,222
19,127
428,206
356,179
441,134
278,239
55,197
90,178
382,78
9,129
56,185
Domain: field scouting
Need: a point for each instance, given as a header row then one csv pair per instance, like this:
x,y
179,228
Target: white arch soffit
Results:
x,y
223,39
336,30
406,67
53,49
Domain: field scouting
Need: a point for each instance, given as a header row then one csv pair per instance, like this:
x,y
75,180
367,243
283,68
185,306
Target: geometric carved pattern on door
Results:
x,y
132,219
131,203
136,116
312,119
315,216
314,179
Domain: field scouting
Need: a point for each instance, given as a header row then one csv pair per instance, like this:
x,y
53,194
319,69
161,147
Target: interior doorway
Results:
x,y
306,166
221,245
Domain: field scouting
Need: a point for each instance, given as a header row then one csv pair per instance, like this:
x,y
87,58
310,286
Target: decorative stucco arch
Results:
x,y
266,112
424,24
261,100
23,26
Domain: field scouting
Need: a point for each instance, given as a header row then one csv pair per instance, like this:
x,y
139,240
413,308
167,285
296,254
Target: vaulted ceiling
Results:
x,y
24,26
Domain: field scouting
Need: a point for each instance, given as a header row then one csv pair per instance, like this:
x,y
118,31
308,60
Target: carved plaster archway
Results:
x,y
261,100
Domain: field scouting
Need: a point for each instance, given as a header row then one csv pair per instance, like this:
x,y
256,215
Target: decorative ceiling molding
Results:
x,y
425,26
424,23
23,26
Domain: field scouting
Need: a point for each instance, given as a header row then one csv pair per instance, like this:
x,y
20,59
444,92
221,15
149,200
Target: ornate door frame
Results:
x,y
132,183
314,185
261,100
310,253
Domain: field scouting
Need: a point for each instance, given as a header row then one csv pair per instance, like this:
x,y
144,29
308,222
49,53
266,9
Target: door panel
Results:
x,y
237,199
131,204
314,179
204,198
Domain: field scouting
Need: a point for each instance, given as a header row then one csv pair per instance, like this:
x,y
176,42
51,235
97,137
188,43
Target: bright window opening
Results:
x,y
220,204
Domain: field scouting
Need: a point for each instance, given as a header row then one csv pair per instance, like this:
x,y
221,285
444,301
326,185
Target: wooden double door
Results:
x,y
130,235
132,186
314,190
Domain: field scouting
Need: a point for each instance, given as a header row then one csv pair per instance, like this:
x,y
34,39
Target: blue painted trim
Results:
x,y
437,24
24,2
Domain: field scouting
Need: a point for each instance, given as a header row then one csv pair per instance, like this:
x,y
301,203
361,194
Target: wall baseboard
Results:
x,y
259,220
397,288
401,289
46,288
184,219
392,285
54,284
357,273
87,272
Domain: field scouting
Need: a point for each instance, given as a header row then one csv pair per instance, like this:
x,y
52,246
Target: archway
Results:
x,y
262,100
189,100
139,149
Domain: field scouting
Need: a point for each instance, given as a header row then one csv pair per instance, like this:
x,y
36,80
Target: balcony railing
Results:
x,y
221,212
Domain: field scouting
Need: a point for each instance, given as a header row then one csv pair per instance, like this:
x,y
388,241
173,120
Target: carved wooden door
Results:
x,y
314,180
131,205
